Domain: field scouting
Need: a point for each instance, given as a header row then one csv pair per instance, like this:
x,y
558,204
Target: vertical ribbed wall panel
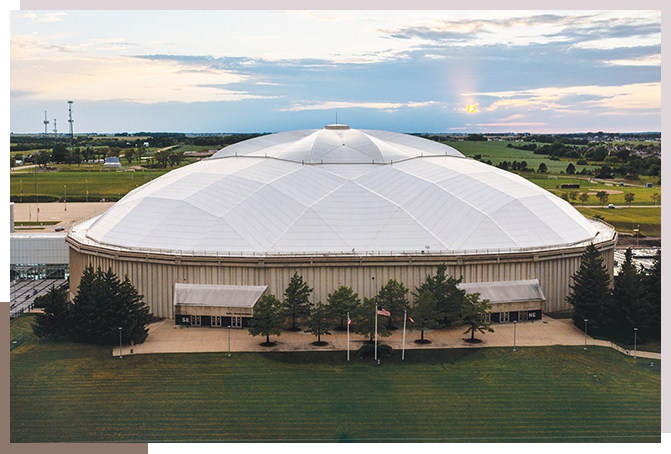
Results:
x,y
156,280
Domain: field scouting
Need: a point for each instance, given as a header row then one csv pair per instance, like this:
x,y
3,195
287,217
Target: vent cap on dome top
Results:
x,y
336,127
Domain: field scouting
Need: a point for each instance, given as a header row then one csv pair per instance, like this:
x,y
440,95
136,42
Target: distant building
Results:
x,y
39,255
112,163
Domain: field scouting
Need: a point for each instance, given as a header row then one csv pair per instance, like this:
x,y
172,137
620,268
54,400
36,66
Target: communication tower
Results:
x,y
71,121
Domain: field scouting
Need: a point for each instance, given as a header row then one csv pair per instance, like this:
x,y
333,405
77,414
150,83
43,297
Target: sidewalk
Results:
x,y
166,337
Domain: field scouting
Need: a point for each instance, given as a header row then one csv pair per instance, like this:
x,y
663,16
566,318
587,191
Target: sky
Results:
x,y
270,71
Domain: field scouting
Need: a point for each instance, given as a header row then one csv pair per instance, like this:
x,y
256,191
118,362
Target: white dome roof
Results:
x,y
339,190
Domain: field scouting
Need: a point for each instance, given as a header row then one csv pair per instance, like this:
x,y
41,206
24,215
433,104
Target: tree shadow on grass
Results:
x,y
413,356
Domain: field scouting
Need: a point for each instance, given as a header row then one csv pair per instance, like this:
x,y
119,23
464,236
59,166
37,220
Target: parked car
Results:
x,y
611,206
59,229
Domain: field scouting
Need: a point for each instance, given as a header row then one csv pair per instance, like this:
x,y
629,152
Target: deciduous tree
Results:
x,y
319,323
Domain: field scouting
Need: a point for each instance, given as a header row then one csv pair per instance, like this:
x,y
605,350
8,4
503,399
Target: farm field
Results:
x,y
498,151
78,393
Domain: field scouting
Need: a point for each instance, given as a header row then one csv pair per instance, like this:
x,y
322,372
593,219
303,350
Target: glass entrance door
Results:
x,y
236,322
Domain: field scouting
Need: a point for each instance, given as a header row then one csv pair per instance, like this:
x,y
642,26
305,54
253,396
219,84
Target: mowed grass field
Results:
x,y
64,392
647,220
100,184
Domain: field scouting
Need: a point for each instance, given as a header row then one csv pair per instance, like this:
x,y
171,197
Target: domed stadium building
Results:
x,y
341,207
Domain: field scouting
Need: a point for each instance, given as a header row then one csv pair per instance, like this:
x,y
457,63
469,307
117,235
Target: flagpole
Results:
x,y
348,336
376,332
405,317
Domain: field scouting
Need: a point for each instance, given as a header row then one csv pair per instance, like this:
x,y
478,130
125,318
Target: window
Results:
x,y
195,320
504,317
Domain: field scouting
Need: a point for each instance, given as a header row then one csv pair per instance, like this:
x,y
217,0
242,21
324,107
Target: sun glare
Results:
x,y
471,108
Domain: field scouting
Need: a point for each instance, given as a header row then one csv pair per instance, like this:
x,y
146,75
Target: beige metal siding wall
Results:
x,y
155,277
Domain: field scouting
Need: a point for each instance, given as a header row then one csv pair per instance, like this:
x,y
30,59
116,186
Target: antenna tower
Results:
x,y
46,123
71,121
55,128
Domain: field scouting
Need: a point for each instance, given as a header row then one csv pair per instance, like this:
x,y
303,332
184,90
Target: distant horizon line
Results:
x,y
275,132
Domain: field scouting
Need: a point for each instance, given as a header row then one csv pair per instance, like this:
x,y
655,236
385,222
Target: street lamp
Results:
x,y
21,196
65,198
120,352
514,335
229,341
635,330
87,190
638,235
585,334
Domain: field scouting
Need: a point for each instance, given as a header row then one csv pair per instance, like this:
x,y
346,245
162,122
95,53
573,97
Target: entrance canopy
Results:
x,y
500,292
233,296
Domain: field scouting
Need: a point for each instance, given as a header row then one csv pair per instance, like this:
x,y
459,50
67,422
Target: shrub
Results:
x,y
368,351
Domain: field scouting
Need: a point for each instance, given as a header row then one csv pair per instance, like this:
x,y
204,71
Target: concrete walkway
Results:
x,y
166,337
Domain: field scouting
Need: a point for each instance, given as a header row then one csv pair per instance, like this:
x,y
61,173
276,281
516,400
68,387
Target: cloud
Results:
x,y
86,77
589,30
42,17
385,106
593,98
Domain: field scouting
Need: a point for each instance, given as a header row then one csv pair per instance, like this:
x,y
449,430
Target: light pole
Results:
x,y
638,234
87,190
21,196
229,341
120,352
635,330
65,198
514,335
585,334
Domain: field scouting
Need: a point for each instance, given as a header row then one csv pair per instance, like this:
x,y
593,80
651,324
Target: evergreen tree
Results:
x,y
319,322
342,301
364,319
629,309
55,321
474,314
268,318
87,316
591,292
393,297
445,292
133,315
296,302
652,287
425,313
104,304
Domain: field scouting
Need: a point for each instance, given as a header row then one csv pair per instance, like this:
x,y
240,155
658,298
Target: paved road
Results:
x,y
55,211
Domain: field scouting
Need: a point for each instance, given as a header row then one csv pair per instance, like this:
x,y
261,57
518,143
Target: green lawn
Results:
x,y
63,392
100,184
648,220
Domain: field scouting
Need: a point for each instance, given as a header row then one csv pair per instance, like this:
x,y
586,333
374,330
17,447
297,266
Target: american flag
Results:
x,y
383,312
